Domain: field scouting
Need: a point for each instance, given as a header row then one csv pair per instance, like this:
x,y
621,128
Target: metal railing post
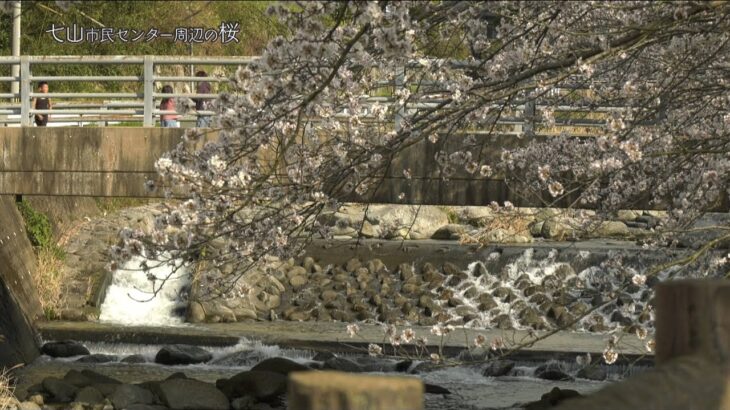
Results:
x,y
149,89
25,91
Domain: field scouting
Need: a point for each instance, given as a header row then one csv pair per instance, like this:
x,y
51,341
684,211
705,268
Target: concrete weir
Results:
x,y
327,336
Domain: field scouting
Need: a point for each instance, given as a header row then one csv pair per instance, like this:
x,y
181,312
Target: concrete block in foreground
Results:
x,y
343,391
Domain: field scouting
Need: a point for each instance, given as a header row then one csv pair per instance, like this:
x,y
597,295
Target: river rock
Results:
x,y
342,364
135,358
352,265
195,313
296,271
560,228
98,358
612,229
552,399
505,294
592,373
128,394
475,215
500,235
28,405
552,371
298,281
280,365
450,232
145,407
182,354
477,354
243,403
60,390
240,358
99,378
435,389
503,322
369,230
89,395
264,386
536,228
421,219
67,348
189,394
498,368
77,379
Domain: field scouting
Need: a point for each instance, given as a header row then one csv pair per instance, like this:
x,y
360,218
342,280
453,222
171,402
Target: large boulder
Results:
x,y
89,395
396,217
498,368
182,354
552,371
612,229
552,399
97,358
343,365
280,365
127,394
262,385
189,394
67,348
560,228
450,232
60,390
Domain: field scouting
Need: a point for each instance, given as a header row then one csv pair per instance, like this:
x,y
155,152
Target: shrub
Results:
x,y
37,225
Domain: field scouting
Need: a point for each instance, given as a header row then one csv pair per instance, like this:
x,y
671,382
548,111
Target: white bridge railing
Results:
x,y
135,106
105,107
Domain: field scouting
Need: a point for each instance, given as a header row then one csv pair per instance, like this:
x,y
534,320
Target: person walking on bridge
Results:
x,y
168,104
41,120
201,104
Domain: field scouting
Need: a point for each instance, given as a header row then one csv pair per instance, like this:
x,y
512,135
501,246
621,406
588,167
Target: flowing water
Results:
x,y
131,299
470,390
128,302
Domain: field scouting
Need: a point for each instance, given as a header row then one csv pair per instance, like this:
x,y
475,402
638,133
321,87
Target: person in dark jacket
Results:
x,y
41,120
202,104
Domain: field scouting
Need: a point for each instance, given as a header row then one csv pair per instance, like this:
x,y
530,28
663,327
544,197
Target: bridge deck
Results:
x,y
115,162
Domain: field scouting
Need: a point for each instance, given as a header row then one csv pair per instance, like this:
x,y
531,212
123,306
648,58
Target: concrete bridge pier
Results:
x,y
692,354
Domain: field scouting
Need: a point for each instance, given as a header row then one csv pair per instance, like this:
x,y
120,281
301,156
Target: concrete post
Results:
x,y
693,317
25,119
329,390
15,70
149,89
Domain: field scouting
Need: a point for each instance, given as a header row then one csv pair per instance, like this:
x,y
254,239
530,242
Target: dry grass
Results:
x,y
517,224
7,398
50,277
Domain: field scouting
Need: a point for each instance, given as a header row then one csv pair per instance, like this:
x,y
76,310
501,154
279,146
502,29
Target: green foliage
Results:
x,y
37,226
49,313
256,29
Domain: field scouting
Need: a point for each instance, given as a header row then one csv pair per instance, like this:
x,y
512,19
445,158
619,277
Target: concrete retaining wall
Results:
x,y
117,161
19,305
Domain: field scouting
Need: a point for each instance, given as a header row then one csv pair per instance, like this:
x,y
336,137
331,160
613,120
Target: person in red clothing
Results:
x,y
168,104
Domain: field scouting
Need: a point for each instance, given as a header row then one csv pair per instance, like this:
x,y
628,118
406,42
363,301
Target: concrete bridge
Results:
x,y
116,162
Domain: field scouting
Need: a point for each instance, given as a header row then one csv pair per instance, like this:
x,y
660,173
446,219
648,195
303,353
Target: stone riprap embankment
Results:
x,y
537,289
521,288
